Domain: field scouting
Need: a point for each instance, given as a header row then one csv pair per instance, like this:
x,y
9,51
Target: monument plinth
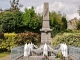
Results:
x,y
46,31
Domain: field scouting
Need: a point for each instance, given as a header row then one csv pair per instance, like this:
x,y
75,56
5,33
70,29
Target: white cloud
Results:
x,y
39,9
75,1
23,8
71,16
56,6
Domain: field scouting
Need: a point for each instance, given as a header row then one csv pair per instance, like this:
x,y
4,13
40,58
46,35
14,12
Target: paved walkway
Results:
x,y
6,58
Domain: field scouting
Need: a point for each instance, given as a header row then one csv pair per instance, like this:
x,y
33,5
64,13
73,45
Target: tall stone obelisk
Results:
x,y
46,31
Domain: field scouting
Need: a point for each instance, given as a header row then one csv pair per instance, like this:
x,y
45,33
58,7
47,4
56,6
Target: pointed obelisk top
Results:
x,y
46,11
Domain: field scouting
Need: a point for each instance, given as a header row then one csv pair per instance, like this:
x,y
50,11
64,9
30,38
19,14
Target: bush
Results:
x,y
1,35
72,39
27,37
8,42
59,55
68,30
12,40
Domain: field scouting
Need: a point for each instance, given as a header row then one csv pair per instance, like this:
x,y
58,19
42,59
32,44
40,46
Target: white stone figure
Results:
x,y
26,50
45,50
31,47
63,48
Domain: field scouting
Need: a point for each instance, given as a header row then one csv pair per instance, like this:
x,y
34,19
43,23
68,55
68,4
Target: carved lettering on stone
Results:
x,y
46,12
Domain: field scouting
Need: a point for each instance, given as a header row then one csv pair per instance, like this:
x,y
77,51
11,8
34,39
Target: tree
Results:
x,y
8,23
15,6
58,22
78,25
11,21
31,20
64,23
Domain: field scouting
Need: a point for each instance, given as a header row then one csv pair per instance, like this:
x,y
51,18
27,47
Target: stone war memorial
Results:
x,y
45,51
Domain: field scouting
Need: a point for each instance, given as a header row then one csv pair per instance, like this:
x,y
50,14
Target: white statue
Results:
x,y
26,50
45,52
63,48
31,46
29,49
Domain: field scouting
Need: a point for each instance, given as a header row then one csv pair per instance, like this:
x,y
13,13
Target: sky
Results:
x,y
68,7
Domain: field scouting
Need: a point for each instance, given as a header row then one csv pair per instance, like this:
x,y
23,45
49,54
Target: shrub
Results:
x,y
27,37
8,42
1,35
68,38
59,55
68,30
12,40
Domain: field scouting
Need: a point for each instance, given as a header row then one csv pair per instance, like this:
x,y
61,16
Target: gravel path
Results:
x,y
6,58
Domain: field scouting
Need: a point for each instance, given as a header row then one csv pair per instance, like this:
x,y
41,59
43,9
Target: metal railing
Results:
x,y
74,52
17,52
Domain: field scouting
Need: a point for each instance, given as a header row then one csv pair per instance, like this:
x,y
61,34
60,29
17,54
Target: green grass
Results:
x,y
4,54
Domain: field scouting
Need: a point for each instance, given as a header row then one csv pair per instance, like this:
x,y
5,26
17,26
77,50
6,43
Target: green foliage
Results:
x,y
16,21
15,6
1,35
11,21
58,22
78,25
11,40
27,37
64,21
0,28
3,54
8,23
31,20
68,30
8,42
59,55
68,38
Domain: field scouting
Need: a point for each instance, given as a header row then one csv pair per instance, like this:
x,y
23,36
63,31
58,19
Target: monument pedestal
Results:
x,y
46,36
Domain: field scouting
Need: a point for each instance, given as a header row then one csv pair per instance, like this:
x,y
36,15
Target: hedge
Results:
x,y
12,40
72,39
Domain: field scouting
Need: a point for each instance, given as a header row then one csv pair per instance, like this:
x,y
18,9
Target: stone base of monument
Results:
x,y
38,58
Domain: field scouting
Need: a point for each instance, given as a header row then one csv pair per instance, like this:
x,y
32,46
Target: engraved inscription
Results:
x,y
45,13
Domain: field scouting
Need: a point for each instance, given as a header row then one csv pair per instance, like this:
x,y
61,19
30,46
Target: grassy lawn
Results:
x,y
4,54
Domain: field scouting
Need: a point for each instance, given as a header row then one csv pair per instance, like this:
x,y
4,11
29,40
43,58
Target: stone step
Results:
x,y
37,58
40,58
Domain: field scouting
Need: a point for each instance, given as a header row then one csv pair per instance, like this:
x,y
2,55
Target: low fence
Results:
x,y
17,52
74,52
